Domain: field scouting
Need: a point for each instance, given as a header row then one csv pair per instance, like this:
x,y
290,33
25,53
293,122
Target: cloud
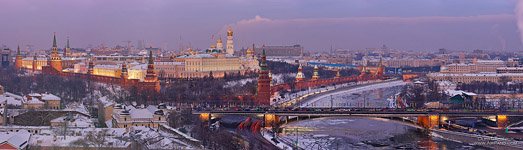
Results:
x,y
257,19
402,20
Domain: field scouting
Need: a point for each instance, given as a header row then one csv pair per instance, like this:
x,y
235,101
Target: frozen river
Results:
x,y
374,95
361,133
357,132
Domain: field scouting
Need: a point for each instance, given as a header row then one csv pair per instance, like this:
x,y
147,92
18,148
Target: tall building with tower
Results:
x,y
18,59
5,58
263,96
56,60
230,43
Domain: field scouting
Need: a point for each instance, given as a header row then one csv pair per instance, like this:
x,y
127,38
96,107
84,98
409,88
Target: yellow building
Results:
x,y
201,65
107,70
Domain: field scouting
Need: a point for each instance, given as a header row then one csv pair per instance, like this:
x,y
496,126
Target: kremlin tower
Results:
x,y
263,96
90,67
150,76
230,44
34,63
151,79
300,76
315,75
124,75
67,49
18,59
56,60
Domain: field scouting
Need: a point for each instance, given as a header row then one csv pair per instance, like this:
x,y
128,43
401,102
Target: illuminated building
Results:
x,y
315,75
477,66
230,44
300,76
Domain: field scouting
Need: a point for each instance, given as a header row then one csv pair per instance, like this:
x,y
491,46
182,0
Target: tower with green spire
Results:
x,y
263,96
150,75
56,59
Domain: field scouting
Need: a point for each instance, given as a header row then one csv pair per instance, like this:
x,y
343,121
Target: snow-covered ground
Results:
x,y
354,97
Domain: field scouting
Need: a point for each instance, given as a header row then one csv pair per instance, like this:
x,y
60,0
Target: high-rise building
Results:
x,y
230,43
5,57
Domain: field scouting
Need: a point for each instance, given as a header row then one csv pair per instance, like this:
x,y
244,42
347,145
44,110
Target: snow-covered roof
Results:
x,y
105,101
139,67
152,108
484,74
452,93
510,68
197,56
140,113
34,101
107,66
75,121
17,97
78,107
18,140
168,63
50,97
10,100
35,94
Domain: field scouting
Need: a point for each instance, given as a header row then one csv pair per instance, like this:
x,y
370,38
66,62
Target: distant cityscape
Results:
x,y
235,95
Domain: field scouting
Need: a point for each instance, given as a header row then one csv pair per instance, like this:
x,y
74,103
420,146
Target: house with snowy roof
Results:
x,y
126,116
72,121
41,101
14,140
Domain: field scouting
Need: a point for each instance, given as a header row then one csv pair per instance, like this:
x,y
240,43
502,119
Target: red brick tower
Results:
x,y
151,80
263,96
18,59
380,70
56,60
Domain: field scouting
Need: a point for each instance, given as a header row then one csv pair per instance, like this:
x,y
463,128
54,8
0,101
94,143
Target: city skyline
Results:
x,y
467,25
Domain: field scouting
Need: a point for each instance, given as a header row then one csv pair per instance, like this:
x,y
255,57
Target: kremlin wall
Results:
x,y
144,72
